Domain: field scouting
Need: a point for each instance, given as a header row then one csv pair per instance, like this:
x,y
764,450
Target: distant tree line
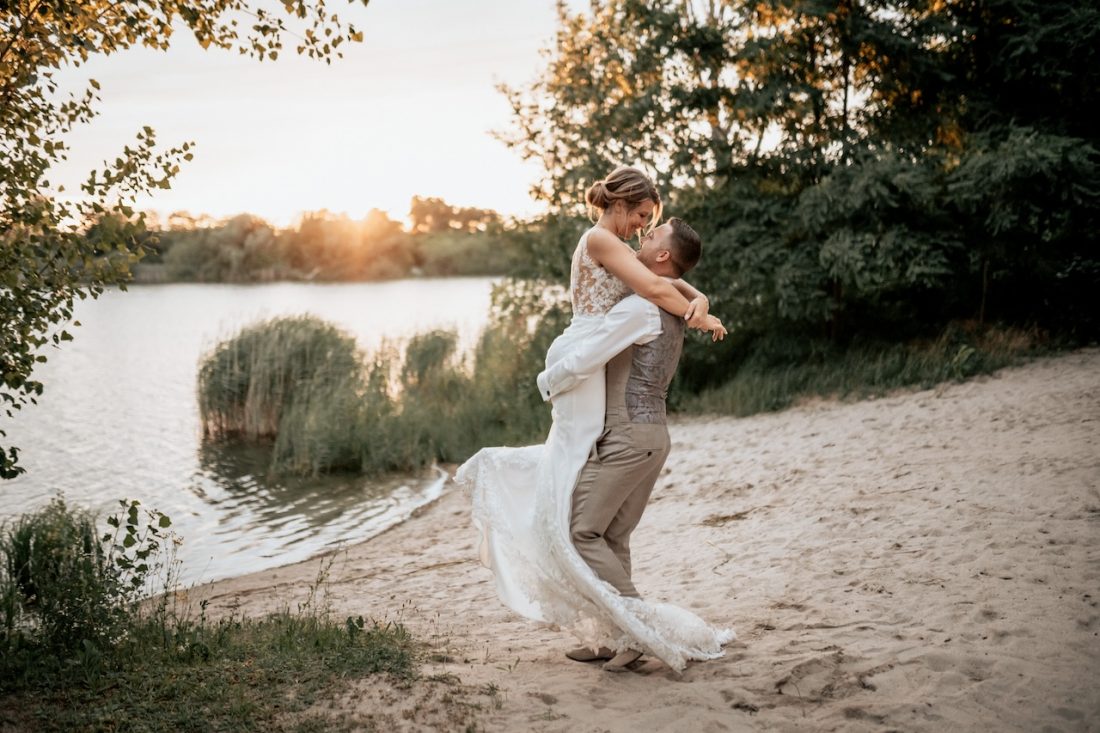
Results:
x,y
434,215
860,170
442,240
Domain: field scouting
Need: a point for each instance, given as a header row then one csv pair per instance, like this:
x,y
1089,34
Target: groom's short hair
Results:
x,y
684,246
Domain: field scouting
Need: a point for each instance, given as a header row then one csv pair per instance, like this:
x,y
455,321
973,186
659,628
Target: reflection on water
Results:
x,y
119,419
286,519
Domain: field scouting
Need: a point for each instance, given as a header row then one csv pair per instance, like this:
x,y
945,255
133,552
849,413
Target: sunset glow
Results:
x,y
407,112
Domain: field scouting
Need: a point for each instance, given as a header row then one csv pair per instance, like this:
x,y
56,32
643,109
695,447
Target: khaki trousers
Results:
x,y
611,494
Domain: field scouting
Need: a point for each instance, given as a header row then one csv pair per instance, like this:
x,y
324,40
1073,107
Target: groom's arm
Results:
x,y
633,321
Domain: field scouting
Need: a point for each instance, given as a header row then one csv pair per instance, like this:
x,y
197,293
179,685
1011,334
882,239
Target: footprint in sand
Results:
x,y
739,701
831,677
854,713
988,614
783,605
545,698
827,677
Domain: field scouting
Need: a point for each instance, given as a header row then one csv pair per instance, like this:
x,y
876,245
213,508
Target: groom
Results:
x,y
641,345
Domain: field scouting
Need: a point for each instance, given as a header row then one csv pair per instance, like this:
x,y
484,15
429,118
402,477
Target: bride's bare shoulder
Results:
x,y
602,236
603,242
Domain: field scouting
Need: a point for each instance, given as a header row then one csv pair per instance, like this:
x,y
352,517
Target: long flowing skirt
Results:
x,y
522,499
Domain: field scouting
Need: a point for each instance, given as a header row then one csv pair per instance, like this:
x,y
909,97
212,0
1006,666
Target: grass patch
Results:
x,y
776,373
81,650
235,674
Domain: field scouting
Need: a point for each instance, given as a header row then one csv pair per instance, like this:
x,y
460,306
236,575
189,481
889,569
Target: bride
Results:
x,y
522,496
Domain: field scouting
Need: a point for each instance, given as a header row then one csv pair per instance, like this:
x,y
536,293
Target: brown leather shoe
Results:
x,y
584,654
622,661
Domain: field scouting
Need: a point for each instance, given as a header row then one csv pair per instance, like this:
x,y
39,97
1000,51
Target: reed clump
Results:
x,y
247,382
324,406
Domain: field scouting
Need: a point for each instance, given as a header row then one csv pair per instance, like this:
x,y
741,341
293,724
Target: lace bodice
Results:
x,y
593,290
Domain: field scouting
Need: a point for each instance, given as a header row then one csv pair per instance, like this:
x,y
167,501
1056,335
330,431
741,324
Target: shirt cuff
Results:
x,y
544,386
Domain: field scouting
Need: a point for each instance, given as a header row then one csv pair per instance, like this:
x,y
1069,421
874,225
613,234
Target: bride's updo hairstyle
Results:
x,y
625,184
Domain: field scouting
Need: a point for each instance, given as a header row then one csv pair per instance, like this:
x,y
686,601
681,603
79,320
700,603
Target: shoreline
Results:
x,y
926,560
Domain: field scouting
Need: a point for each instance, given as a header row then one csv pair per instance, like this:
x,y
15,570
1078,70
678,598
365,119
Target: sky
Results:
x,y
407,112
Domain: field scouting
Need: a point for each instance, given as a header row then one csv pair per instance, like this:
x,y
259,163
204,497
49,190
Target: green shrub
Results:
x,y
57,579
68,592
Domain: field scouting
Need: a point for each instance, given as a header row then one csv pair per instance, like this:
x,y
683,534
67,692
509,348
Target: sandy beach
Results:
x,y
926,561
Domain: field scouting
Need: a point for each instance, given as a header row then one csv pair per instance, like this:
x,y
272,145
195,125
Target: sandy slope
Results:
x,y
927,561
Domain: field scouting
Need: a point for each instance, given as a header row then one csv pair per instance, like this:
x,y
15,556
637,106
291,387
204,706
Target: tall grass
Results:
x,y
327,407
247,382
56,580
67,590
779,371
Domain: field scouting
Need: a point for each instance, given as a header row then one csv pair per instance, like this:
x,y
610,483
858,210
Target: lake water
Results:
x,y
119,418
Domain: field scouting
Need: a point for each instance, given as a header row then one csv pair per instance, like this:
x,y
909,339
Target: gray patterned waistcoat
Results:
x,y
638,377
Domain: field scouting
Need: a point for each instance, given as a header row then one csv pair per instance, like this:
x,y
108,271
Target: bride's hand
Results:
x,y
717,330
697,313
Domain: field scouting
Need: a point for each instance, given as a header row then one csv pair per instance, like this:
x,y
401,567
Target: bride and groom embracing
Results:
x,y
555,519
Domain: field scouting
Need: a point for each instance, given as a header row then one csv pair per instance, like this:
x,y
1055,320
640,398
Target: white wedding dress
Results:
x,y
522,501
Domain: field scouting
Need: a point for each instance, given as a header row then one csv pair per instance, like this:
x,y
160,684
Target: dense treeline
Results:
x,y
862,172
442,240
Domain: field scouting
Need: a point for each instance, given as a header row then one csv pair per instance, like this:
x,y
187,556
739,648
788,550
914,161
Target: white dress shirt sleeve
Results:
x,y
634,320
